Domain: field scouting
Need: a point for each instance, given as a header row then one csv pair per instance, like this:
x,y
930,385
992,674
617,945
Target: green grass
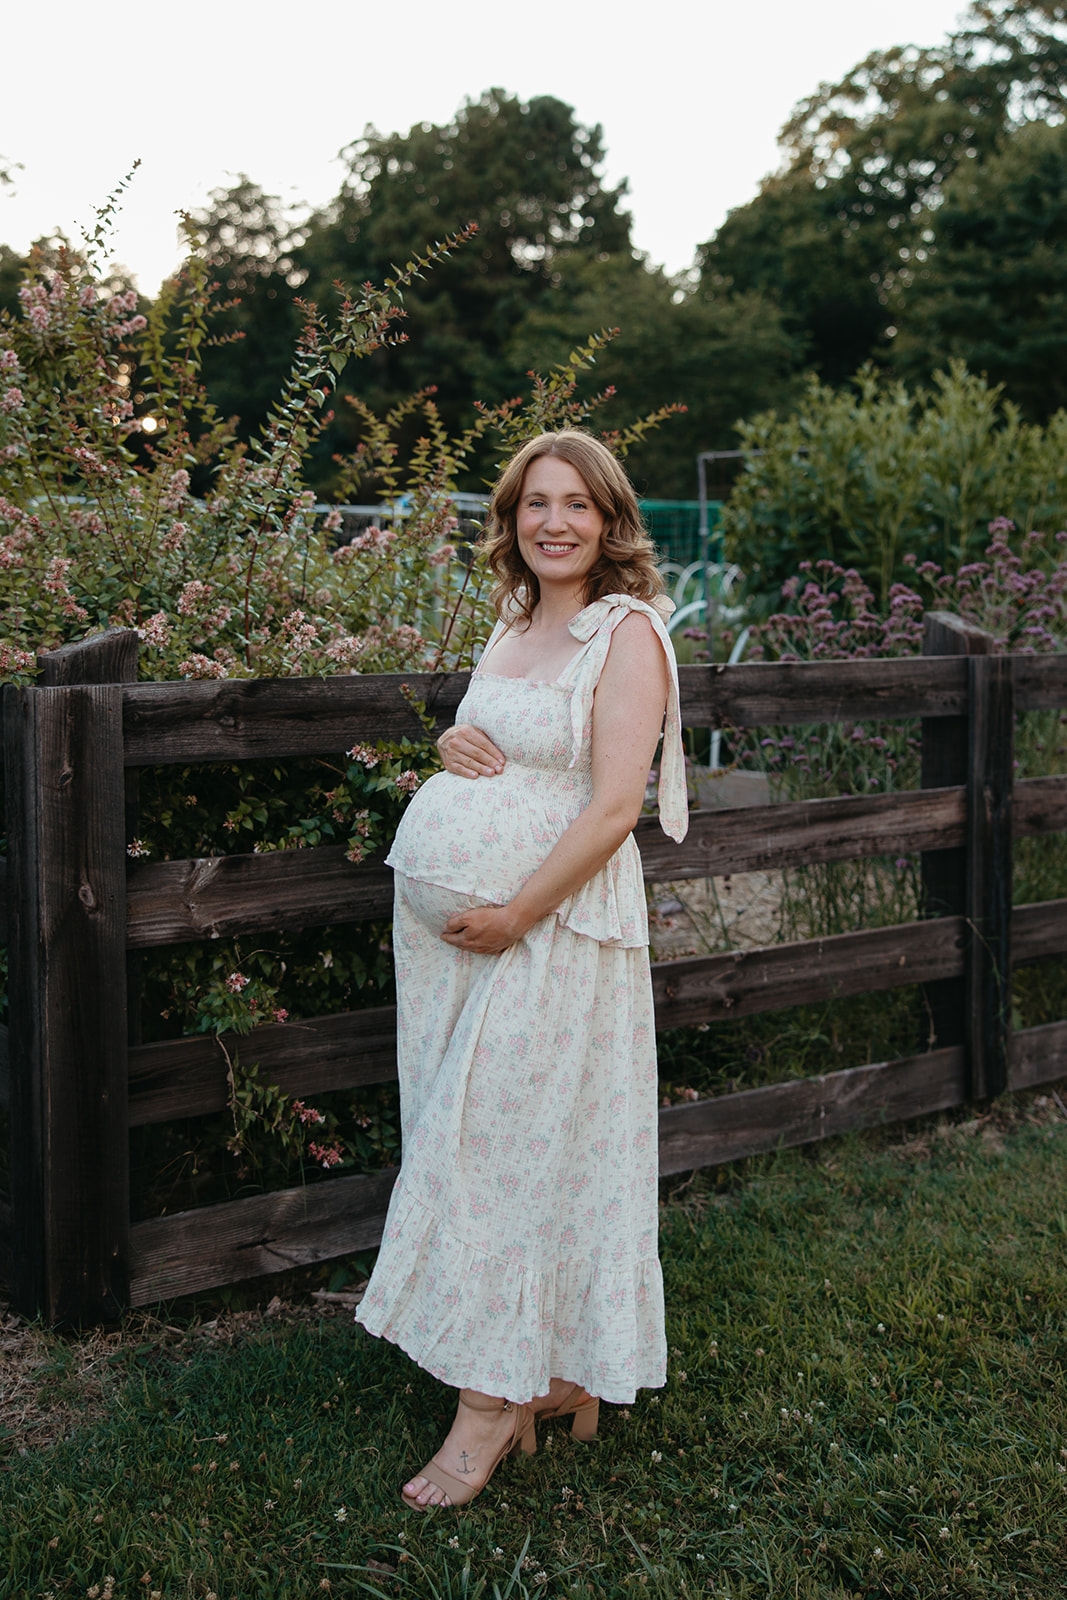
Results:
x,y
868,1355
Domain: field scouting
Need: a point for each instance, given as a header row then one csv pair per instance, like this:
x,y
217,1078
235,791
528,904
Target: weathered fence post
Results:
x,y
68,1046
973,881
987,997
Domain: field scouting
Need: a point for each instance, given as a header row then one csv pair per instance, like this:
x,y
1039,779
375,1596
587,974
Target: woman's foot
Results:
x,y
484,1430
559,1390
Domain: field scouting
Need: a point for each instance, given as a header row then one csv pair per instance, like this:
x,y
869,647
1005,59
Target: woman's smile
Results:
x,y
558,523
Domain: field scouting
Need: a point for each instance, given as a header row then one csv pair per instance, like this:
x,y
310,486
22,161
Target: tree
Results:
x,y
723,356
249,241
527,174
991,291
866,161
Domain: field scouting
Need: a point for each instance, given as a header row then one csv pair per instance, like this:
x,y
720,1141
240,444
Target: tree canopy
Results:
x,y
877,174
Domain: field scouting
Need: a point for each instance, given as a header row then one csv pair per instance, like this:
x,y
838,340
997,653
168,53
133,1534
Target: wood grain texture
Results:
x,y
67,1043
743,982
1038,1055
1038,931
7,1261
759,694
737,1125
1039,805
799,833
944,761
987,984
174,902
187,1077
273,717
239,1239
109,657
267,717
1040,682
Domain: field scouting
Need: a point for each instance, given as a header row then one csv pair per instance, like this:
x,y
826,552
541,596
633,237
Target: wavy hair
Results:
x,y
627,560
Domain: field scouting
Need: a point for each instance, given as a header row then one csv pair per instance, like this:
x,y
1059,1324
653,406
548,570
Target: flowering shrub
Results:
x,y
869,474
126,501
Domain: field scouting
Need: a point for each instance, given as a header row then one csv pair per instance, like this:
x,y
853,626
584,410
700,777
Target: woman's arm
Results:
x,y
627,718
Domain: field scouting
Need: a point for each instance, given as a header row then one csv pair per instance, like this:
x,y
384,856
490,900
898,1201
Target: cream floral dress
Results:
x,y
520,1243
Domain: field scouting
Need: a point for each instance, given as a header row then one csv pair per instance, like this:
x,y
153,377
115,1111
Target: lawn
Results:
x,y
867,1397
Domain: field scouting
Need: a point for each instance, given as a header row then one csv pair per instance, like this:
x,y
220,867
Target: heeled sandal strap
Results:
x,y
484,1402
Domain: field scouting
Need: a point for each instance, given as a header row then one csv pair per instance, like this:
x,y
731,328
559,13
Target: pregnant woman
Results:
x,y
519,1263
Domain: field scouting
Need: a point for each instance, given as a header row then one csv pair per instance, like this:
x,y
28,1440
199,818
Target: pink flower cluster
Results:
x,y
201,666
11,400
156,631
236,982
365,754
407,782
176,492
326,1155
307,1114
302,634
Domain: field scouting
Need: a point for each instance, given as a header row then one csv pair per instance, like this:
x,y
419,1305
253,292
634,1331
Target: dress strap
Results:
x,y
594,626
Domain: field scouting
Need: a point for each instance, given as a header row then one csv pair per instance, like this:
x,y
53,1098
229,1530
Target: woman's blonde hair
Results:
x,y
626,564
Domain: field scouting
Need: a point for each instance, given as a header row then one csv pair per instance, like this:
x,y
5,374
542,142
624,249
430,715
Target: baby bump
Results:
x,y
430,904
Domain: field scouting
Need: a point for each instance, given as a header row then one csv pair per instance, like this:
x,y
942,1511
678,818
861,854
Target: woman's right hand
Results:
x,y
469,753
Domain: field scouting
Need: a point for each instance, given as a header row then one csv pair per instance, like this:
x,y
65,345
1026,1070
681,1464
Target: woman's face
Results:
x,y
558,523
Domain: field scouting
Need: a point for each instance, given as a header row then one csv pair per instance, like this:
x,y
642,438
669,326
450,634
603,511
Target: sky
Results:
x,y
691,95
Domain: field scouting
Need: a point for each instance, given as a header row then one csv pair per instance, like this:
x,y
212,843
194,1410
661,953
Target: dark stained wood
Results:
x,y
187,1077
987,990
173,902
239,1239
67,1006
275,717
799,833
1038,1055
737,1125
6,1243
3,899
109,657
944,762
761,693
1038,931
1040,682
1039,805
5,1070
713,988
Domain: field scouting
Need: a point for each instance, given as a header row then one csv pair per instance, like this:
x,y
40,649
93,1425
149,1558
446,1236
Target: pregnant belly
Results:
x,y
484,836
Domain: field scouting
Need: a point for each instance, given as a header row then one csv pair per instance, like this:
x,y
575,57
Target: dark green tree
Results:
x,y
723,356
992,290
528,175
866,160
250,241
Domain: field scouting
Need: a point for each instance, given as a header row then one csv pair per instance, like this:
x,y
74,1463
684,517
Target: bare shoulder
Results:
x,y
635,631
636,644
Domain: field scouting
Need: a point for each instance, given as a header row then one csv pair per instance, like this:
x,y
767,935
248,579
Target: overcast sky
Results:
x,y
691,95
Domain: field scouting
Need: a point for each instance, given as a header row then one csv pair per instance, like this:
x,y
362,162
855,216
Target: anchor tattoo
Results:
x,y
463,1458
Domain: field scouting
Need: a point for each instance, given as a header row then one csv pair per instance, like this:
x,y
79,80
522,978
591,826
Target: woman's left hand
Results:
x,y
485,930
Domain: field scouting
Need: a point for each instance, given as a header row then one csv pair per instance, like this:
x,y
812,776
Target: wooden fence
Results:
x,y
74,906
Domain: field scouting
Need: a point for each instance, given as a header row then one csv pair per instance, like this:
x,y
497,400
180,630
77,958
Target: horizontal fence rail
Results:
x,y
87,1259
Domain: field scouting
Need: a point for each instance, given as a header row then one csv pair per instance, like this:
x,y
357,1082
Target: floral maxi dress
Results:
x,y
521,1239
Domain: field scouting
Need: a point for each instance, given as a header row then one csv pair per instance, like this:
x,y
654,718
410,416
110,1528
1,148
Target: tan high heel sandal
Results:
x,y
584,1408
459,1490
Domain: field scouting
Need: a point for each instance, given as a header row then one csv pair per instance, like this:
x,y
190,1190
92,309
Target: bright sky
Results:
x,y
690,94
